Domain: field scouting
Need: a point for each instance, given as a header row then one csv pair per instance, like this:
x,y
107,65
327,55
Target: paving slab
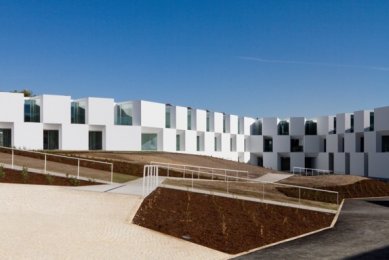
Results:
x,y
51,222
362,232
273,177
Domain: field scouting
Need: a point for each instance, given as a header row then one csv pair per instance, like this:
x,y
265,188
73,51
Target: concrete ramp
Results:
x,y
130,188
273,177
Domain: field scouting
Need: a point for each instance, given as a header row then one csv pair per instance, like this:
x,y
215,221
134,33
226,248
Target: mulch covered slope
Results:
x,y
224,224
361,189
13,176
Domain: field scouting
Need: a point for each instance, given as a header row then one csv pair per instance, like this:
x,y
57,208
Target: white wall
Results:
x,y
201,120
152,114
181,118
256,143
100,111
340,163
269,126
312,144
55,109
123,138
378,165
233,124
323,125
281,143
11,107
297,160
28,135
357,164
169,140
247,122
218,122
381,118
361,120
349,143
297,126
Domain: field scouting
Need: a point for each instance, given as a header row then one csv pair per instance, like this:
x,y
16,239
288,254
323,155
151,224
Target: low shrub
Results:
x,y
50,179
25,175
74,181
2,172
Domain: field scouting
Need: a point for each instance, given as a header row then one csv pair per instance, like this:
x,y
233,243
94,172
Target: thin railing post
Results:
x,y
299,195
184,171
192,180
45,163
263,191
12,159
225,175
111,173
78,168
227,187
144,181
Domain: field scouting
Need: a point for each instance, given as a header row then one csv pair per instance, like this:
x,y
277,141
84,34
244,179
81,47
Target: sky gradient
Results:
x,y
254,58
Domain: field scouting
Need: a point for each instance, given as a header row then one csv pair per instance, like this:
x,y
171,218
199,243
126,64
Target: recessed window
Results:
x,y
50,139
149,142
283,128
268,144
123,114
256,128
168,116
95,140
78,113
5,137
385,143
310,128
32,111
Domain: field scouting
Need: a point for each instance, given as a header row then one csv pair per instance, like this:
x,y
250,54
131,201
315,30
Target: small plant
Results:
x,y
74,181
2,172
50,179
25,175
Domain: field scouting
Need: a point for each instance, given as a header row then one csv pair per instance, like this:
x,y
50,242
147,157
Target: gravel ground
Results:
x,y
50,222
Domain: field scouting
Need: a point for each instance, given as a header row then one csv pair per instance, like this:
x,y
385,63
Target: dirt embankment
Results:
x,y
13,176
361,189
224,224
133,162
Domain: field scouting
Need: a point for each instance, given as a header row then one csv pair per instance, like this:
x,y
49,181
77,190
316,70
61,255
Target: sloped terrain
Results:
x,y
132,162
225,224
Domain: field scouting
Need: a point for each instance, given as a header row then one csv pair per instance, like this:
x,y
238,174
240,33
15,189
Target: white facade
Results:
x,y
348,143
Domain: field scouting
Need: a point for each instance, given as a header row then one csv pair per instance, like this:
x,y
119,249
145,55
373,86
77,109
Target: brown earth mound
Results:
x,y
224,224
133,162
360,189
13,176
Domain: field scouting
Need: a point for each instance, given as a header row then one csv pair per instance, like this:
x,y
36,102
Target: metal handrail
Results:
x,y
306,170
56,155
196,166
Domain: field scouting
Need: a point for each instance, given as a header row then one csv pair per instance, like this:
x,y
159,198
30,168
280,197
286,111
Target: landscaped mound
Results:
x,y
225,224
25,177
360,189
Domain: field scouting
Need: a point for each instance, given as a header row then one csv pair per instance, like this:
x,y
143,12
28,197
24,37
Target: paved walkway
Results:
x,y
50,222
273,177
362,232
134,187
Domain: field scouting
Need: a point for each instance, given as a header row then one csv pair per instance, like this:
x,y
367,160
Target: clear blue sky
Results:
x,y
255,58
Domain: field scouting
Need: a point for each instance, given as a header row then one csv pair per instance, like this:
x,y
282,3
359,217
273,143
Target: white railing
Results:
x,y
310,171
185,169
150,179
57,168
229,180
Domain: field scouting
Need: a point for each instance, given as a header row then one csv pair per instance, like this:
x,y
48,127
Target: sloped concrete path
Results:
x,y
362,232
273,177
129,188
49,222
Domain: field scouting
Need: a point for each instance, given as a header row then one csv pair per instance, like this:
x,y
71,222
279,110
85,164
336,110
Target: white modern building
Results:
x,y
349,143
